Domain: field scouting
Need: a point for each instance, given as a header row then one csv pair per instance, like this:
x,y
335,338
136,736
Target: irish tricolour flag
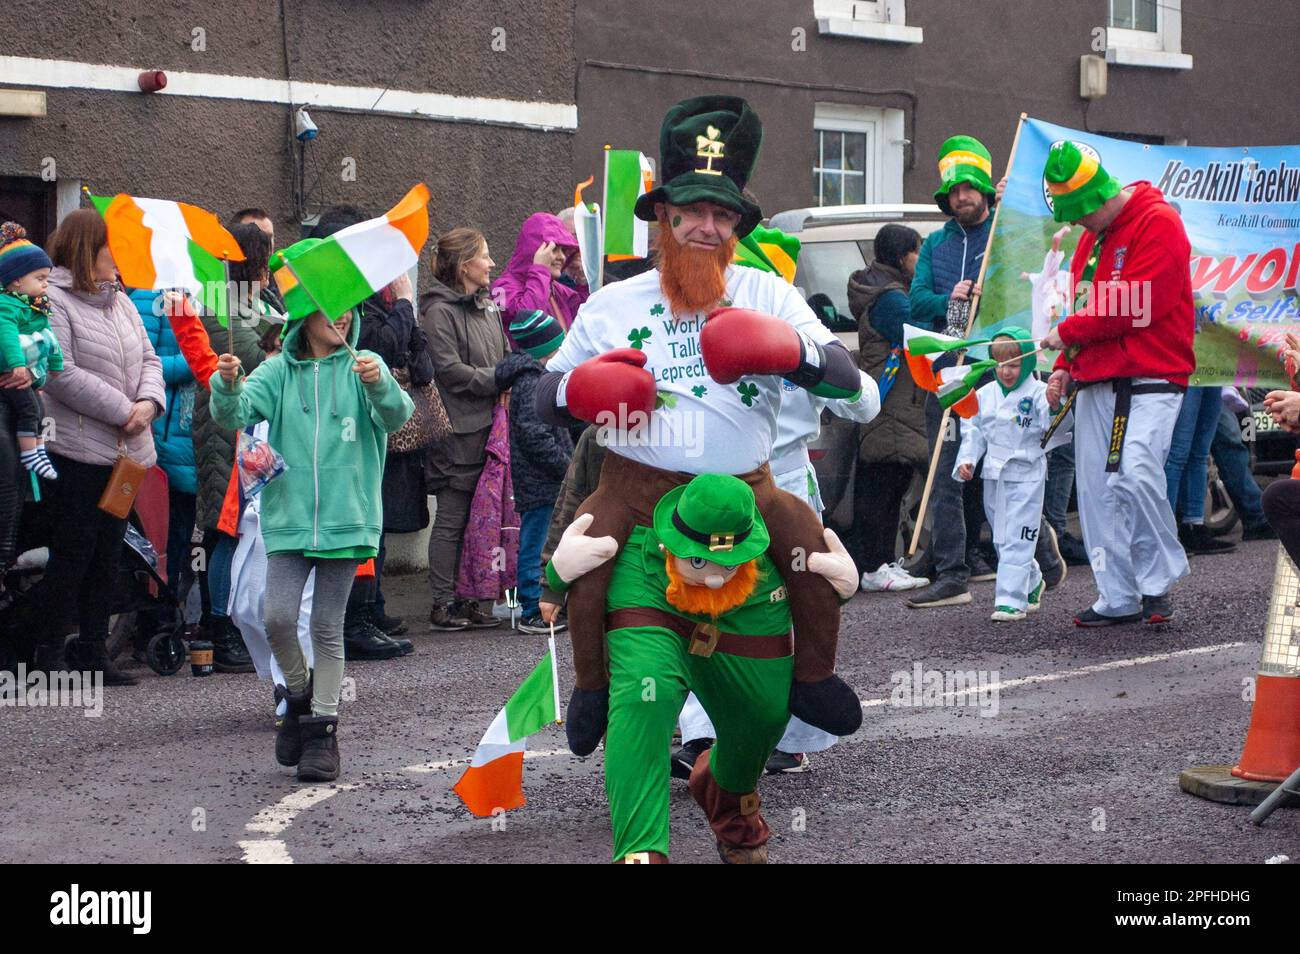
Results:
x,y
354,263
494,780
158,244
957,387
628,176
922,347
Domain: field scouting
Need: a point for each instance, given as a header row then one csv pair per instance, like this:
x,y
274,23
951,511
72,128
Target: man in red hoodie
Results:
x,y
1128,350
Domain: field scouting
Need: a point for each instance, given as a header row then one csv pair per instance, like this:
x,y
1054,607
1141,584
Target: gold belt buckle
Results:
x,y
749,803
637,858
704,639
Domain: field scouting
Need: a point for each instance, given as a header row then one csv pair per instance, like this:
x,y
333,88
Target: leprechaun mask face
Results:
x,y
706,588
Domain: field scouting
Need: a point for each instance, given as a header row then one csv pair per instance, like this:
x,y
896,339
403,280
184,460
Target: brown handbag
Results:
x,y
123,485
428,425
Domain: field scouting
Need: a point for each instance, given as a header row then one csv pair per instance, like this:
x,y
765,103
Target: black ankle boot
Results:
x,y
92,654
320,749
288,734
1197,539
51,657
228,651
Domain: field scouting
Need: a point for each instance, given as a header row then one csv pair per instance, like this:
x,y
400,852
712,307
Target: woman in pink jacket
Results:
x,y
101,405
531,282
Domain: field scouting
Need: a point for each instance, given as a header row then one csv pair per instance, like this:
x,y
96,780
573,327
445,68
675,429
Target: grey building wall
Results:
x,y
980,65
226,154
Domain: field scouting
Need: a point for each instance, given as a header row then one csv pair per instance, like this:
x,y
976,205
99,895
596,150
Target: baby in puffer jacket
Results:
x,y
28,348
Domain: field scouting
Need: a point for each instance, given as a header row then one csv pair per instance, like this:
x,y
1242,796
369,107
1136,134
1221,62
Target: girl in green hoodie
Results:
x,y
329,417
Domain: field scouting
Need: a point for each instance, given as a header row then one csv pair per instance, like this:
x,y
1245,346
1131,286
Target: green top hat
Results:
x,y
707,149
963,159
1077,181
1020,335
297,303
714,517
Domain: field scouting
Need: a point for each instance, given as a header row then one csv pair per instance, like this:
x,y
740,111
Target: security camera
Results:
x,y
303,127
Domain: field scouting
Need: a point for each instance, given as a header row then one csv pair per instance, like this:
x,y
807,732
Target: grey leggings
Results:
x,y
286,575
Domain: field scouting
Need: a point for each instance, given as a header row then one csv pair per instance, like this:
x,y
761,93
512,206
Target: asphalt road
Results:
x,y
1077,758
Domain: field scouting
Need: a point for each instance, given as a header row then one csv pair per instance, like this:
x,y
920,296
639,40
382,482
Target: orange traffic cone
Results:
x,y
1272,750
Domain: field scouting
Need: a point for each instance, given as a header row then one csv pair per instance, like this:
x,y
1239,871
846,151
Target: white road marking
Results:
x,y
266,851
276,818
1070,673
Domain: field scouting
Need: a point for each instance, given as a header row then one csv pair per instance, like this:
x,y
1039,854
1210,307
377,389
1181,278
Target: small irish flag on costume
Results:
x,y
957,387
352,264
158,244
628,176
495,777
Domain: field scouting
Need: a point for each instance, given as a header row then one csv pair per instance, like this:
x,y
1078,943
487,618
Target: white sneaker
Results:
x,y
1008,614
882,579
905,580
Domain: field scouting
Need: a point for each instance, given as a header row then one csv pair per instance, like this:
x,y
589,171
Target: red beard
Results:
x,y
692,279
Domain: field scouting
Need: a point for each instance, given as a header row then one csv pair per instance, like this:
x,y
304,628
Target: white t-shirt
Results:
x,y
700,426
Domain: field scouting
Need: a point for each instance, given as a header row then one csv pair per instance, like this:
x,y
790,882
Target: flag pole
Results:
x,y
343,341
970,323
604,213
555,675
230,318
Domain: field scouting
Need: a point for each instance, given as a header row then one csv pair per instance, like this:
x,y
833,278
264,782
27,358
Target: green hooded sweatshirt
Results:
x,y
332,431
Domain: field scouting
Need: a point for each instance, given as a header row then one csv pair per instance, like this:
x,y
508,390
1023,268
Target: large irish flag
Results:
x,y
159,244
494,780
354,263
628,176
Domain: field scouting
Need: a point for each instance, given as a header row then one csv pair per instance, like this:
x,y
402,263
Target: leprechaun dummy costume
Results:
x,y
694,603
707,387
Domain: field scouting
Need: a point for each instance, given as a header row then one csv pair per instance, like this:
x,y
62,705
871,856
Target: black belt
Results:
x,y
1124,389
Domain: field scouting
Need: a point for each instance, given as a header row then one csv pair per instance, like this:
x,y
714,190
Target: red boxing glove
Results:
x,y
611,385
736,341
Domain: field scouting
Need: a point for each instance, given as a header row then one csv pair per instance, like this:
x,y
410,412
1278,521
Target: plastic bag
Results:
x,y
259,464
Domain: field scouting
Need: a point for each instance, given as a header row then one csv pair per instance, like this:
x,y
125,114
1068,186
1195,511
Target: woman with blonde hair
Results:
x,y
466,341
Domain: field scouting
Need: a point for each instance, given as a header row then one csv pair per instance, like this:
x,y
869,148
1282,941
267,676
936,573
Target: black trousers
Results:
x,y
1282,508
12,482
85,553
878,491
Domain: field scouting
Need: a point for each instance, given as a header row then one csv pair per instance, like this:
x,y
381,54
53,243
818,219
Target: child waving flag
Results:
x,y
329,415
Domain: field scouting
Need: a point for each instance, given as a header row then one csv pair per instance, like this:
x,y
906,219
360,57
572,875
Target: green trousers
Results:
x,y
650,673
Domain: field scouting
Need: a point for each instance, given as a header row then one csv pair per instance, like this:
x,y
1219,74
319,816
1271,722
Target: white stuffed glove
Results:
x,y
579,554
837,566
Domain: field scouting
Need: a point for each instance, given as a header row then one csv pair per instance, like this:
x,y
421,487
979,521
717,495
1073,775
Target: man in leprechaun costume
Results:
x,y
1128,350
694,603
684,367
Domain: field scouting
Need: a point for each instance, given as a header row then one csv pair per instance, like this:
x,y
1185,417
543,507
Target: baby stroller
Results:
x,y
141,585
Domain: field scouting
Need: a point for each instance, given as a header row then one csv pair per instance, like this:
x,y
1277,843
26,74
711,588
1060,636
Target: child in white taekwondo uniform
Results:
x,y
797,425
1007,432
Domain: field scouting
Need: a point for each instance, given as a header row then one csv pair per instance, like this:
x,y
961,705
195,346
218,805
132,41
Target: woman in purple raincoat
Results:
x,y
532,279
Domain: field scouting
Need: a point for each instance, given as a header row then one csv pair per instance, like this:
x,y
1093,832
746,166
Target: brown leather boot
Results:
x,y
643,858
742,834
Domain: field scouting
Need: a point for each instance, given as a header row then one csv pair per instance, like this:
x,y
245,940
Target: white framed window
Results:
x,y
1146,33
866,20
858,155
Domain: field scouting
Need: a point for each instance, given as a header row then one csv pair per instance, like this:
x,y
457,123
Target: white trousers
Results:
x,y
1015,509
799,735
247,593
1128,525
